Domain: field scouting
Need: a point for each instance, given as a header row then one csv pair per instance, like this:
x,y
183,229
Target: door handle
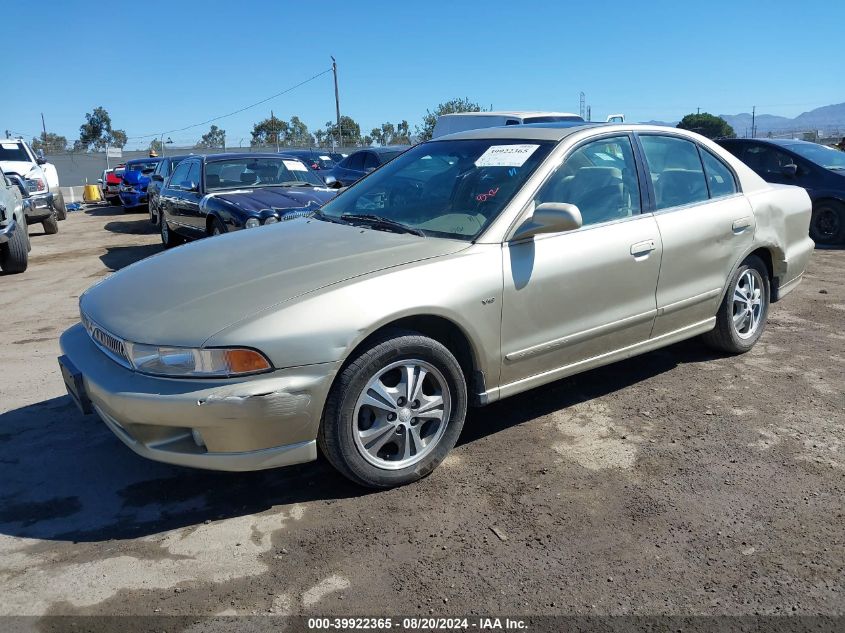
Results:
x,y
740,224
642,248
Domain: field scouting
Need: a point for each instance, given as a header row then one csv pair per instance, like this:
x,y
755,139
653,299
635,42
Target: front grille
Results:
x,y
290,214
113,346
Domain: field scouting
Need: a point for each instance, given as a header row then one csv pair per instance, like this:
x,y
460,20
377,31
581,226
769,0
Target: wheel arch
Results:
x,y
443,330
770,255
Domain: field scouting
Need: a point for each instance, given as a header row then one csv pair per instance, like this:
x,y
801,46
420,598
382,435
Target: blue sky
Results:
x,y
156,66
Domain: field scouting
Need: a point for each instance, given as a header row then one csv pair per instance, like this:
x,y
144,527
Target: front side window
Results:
x,y
451,189
600,178
370,161
766,160
720,178
355,161
180,175
675,169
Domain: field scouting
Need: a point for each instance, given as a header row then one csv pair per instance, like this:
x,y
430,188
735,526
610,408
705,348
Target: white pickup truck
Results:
x,y
46,201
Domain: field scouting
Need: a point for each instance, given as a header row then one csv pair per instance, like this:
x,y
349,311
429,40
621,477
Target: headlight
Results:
x,y
252,223
271,220
185,361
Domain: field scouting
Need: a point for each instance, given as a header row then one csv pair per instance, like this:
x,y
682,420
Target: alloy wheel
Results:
x,y
401,414
748,303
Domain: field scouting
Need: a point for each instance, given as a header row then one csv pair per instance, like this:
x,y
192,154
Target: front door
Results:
x,y
570,297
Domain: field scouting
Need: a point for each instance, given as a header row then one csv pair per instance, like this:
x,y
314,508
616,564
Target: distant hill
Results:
x,y
828,119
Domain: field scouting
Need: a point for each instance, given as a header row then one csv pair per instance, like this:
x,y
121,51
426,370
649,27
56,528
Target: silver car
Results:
x,y
468,269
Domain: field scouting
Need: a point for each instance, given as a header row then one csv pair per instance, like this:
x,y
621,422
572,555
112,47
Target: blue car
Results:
x,y
136,179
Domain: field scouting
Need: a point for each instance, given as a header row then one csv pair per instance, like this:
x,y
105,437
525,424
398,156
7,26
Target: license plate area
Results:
x,y
75,385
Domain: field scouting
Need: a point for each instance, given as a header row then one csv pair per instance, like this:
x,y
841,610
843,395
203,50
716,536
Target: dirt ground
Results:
x,y
675,483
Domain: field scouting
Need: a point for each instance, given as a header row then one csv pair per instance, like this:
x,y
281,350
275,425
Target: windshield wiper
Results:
x,y
381,222
295,183
326,218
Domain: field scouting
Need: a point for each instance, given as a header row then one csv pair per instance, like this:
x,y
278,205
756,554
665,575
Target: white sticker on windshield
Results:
x,y
294,165
506,156
9,145
325,157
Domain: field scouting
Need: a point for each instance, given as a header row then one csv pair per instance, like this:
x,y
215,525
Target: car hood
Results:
x,y
278,198
185,295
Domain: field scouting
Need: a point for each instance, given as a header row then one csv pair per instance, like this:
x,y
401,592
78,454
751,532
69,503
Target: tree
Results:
x,y
350,130
50,143
298,134
96,133
270,131
388,134
450,107
155,146
213,139
707,125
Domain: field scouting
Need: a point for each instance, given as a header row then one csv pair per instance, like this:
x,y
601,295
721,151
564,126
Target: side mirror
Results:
x,y
100,181
188,185
550,217
40,158
158,177
790,170
369,169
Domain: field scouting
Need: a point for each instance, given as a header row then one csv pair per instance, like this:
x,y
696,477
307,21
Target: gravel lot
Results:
x,y
677,483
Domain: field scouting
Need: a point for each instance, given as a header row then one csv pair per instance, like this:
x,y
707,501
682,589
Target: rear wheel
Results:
x,y
168,237
51,225
395,411
14,256
59,206
742,315
827,225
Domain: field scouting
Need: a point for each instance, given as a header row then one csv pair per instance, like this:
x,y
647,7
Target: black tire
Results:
x,y
115,202
336,435
60,207
51,225
14,254
725,337
168,237
216,227
827,224
154,214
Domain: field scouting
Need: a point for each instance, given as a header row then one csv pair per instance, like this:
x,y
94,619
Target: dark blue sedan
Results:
x,y
359,164
819,169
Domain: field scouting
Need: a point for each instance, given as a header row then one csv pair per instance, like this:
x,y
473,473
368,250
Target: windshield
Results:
x,y
13,152
820,155
448,189
234,173
553,119
142,167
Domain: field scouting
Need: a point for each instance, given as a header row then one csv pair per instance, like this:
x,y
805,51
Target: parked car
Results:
x,y
462,121
134,182
316,159
526,254
14,238
41,177
817,168
162,172
221,193
110,184
359,164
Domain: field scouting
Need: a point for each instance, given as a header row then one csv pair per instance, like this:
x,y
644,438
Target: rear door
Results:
x,y
706,225
570,297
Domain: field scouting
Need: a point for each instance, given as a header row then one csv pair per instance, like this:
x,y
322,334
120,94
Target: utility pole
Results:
x,y
753,119
698,110
275,128
337,103
43,131
583,111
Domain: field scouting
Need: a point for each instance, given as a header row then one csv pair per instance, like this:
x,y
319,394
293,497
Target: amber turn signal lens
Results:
x,y
245,361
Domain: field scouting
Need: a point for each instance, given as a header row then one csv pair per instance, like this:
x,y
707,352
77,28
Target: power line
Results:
x,y
223,116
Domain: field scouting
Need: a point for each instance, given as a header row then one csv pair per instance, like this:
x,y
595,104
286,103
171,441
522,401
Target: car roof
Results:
x,y
513,113
554,131
135,161
235,156
781,142
383,149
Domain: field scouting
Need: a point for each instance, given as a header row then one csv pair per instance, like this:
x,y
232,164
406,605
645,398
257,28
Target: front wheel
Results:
x,y
395,411
827,224
50,225
742,315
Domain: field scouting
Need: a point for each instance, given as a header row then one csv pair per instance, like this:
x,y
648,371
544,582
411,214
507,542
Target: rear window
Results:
x,y
145,166
551,119
13,152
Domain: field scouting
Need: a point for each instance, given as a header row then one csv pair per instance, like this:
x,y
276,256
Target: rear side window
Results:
x,y
675,169
720,178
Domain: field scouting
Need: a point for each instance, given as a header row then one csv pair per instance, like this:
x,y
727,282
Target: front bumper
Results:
x,y
133,198
39,207
6,232
250,423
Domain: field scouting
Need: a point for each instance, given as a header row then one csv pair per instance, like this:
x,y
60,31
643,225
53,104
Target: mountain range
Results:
x,y
829,119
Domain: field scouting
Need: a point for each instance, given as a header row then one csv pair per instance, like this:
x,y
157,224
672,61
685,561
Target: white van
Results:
x,y
461,121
